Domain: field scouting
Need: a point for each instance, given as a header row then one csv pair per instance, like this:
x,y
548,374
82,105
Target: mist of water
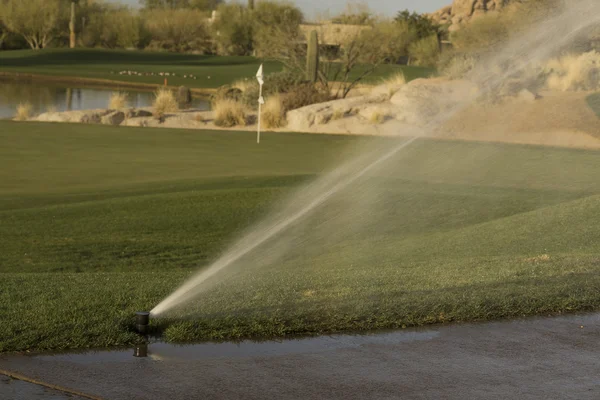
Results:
x,y
538,44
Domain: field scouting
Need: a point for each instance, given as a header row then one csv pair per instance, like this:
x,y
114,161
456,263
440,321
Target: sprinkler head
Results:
x,y
142,321
141,350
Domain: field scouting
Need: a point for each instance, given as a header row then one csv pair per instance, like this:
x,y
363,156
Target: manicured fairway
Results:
x,y
98,222
210,71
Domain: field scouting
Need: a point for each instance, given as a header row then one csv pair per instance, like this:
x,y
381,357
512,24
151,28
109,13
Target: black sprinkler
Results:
x,y
142,319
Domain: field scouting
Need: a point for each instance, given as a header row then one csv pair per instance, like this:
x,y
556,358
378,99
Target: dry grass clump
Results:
x,y
304,95
117,101
273,113
229,113
574,72
23,111
338,114
164,102
395,80
199,118
244,85
377,118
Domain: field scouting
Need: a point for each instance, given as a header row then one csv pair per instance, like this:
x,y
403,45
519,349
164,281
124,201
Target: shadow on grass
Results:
x,y
94,56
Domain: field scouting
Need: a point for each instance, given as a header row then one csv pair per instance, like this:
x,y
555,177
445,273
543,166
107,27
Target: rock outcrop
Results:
x,y
463,11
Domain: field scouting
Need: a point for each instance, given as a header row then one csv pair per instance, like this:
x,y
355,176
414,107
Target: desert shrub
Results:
x,y
117,101
456,65
304,95
195,4
273,113
227,92
338,114
276,30
164,102
482,34
387,41
112,27
425,52
233,30
423,25
355,14
23,111
574,72
377,118
39,22
278,82
177,30
229,113
395,80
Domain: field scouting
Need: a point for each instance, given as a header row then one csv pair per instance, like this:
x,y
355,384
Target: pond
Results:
x,y
45,97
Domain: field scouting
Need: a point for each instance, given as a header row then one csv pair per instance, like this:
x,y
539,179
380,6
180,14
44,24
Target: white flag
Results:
x,y
259,76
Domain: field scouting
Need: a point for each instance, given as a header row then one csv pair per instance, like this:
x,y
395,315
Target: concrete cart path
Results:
x,y
542,358
14,389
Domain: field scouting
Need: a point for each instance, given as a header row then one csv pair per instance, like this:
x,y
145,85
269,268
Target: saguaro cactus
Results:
x,y
251,4
312,57
72,38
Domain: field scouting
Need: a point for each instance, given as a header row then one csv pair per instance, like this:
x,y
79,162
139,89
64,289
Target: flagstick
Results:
x,y
259,113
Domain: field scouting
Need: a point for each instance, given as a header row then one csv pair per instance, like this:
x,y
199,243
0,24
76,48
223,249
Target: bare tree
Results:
x,y
38,21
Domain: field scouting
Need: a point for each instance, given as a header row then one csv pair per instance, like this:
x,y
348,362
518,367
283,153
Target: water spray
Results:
x,y
533,46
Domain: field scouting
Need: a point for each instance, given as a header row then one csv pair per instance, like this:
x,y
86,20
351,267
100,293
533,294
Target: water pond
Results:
x,y
45,97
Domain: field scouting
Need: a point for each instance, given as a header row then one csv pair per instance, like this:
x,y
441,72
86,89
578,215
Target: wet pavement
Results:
x,y
553,358
14,389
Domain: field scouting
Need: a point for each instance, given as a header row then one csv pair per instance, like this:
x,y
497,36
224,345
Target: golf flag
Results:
x,y
261,81
259,76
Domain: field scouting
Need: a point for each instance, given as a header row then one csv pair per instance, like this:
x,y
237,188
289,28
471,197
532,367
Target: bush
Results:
x,y
275,83
117,101
229,113
574,72
164,102
425,52
273,113
277,29
456,65
178,30
112,27
482,34
304,95
23,111
233,30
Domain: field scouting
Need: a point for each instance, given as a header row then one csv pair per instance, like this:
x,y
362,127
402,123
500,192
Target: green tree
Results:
x,y
355,14
204,5
233,30
177,30
277,33
37,21
111,26
423,26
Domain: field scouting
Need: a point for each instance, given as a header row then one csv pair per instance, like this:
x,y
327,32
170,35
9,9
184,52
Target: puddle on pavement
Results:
x,y
160,351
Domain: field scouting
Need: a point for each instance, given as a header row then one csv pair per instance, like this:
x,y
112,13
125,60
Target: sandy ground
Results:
x,y
541,358
556,119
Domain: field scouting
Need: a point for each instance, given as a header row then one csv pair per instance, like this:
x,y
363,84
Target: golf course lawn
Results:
x,y
210,71
97,222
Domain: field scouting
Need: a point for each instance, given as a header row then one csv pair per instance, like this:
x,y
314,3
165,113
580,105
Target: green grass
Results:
x,y
594,102
211,71
98,222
